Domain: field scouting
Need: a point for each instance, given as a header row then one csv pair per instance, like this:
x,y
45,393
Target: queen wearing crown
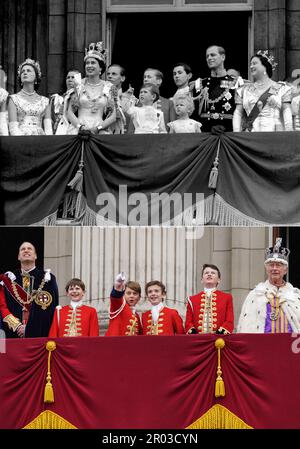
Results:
x,y
28,112
263,105
92,100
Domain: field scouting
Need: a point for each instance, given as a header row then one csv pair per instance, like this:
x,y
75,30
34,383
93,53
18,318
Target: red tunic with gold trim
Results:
x,y
7,317
79,322
122,321
169,323
208,314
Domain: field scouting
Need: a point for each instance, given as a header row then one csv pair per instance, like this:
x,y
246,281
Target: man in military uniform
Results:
x,y
31,296
211,310
272,306
214,96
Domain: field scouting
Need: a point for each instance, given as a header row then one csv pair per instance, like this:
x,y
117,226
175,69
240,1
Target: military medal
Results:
x,y
42,298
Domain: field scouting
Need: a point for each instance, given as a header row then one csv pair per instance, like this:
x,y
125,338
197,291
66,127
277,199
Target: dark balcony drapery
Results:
x,y
258,175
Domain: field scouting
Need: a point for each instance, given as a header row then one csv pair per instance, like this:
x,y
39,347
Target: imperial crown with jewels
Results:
x,y
96,50
277,253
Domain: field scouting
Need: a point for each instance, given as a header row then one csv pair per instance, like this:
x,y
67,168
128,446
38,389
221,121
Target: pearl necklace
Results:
x,y
28,93
94,85
261,83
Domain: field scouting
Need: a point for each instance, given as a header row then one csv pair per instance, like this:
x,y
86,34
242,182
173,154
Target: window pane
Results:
x,y
210,2
140,2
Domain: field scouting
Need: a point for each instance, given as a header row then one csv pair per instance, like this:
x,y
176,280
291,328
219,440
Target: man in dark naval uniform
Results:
x,y
31,296
215,94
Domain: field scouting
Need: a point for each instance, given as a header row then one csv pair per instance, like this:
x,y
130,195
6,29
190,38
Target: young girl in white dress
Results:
x,y
184,107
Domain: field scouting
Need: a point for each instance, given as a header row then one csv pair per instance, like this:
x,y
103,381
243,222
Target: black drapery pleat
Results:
x,y
34,175
174,164
258,174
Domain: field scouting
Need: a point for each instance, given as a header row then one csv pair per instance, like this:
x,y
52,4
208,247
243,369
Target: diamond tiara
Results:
x,y
269,58
33,63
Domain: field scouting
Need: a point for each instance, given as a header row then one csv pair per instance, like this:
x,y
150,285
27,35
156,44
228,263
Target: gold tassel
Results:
x,y
214,173
49,420
219,417
49,393
213,176
220,386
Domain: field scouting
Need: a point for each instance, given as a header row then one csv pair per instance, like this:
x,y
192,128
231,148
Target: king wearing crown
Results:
x,y
272,306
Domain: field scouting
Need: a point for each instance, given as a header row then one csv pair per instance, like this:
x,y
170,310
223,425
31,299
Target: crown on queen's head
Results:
x,y
33,63
96,50
269,58
277,253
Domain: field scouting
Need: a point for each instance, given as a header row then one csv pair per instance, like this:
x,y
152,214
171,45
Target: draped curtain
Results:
x,y
152,382
256,175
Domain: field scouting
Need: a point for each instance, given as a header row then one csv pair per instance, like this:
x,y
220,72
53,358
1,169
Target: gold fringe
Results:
x,y
219,386
219,417
49,420
49,393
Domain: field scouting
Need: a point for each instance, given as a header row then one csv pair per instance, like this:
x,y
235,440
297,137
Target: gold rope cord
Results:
x,y
219,386
49,393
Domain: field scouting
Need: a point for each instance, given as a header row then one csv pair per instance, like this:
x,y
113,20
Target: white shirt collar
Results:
x,y
155,311
27,271
75,304
209,291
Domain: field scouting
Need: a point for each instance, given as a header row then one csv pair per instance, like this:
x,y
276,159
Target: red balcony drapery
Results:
x,y
152,382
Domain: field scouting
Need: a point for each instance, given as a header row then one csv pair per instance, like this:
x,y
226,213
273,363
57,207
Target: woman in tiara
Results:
x,y
93,99
263,105
28,112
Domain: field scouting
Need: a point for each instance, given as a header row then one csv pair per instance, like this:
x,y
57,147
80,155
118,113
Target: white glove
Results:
x,y
14,129
3,124
120,277
120,281
237,120
48,127
288,119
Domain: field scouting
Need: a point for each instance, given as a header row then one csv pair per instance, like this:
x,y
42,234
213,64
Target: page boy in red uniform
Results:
x,y
76,319
123,317
210,311
160,320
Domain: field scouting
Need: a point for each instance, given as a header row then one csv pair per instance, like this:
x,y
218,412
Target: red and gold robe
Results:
x,y
220,313
79,322
169,323
122,321
12,322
